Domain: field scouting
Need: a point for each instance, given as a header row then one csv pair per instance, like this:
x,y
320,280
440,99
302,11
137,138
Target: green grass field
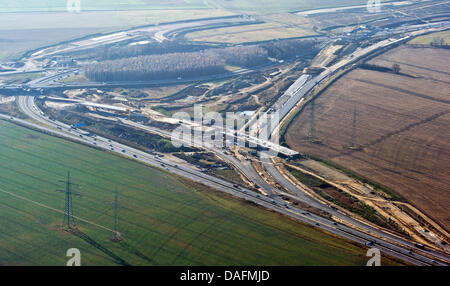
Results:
x,y
430,38
165,220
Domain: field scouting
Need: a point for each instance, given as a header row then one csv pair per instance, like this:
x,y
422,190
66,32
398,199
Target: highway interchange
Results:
x,y
405,252
359,231
399,248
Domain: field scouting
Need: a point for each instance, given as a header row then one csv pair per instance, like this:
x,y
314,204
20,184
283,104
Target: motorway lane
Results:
x,y
244,168
28,105
280,178
47,82
30,108
247,169
299,94
276,204
135,33
306,86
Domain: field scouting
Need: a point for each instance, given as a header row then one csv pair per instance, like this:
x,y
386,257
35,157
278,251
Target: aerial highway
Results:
x,y
305,84
267,195
38,60
399,249
246,168
159,32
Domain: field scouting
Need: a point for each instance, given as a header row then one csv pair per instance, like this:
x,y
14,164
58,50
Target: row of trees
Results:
x,y
153,48
241,56
154,67
133,64
438,42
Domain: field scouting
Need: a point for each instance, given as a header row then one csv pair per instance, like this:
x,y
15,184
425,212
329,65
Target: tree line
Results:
x,y
132,64
153,48
154,67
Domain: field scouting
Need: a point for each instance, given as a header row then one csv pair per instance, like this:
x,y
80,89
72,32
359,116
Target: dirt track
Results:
x,y
402,127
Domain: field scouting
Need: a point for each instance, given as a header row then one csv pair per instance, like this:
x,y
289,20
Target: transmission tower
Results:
x,y
353,145
116,237
312,131
68,220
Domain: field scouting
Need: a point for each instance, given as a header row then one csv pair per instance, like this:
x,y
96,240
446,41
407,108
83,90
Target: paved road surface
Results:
x,y
273,203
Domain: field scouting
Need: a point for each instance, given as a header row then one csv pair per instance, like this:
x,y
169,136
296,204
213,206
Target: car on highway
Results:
x,y
135,156
236,186
419,245
123,151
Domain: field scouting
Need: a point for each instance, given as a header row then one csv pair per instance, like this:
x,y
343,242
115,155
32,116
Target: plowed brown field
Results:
x,y
402,127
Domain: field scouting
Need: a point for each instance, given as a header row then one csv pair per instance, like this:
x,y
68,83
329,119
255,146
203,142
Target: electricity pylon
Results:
x,y
353,145
312,132
69,220
353,140
116,237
